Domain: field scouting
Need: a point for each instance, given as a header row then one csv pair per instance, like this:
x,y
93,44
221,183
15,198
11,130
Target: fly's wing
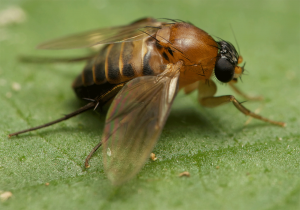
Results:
x,y
136,31
134,122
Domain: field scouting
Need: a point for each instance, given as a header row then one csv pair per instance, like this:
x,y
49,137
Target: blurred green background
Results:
x,y
232,166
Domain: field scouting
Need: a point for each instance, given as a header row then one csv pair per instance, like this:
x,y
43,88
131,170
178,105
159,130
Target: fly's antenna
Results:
x,y
85,108
237,44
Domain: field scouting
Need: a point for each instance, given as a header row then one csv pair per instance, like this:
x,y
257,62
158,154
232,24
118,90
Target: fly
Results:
x,y
140,68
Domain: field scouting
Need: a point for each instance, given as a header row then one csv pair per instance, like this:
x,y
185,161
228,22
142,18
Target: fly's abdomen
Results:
x,y
118,63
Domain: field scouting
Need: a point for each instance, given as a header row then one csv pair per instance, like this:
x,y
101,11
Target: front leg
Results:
x,y
206,98
241,93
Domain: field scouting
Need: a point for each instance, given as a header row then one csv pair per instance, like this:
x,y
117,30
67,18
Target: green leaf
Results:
x,y
232,166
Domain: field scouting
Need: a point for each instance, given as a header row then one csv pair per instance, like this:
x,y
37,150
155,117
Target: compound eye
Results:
x,y
224,70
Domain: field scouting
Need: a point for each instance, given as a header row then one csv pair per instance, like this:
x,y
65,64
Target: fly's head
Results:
x,y
226,67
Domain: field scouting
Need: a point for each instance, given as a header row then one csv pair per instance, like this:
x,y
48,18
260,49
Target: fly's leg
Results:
x,y
206,98
190,88
87,159
244,95
92,105
85,108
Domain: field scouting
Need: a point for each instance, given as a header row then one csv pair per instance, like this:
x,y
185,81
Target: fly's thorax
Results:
x,y
196,48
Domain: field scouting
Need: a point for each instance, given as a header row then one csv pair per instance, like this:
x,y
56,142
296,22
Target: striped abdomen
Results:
x,y
118,63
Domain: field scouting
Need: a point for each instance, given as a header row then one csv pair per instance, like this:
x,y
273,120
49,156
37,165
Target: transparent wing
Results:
x,y
134,122
136,31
